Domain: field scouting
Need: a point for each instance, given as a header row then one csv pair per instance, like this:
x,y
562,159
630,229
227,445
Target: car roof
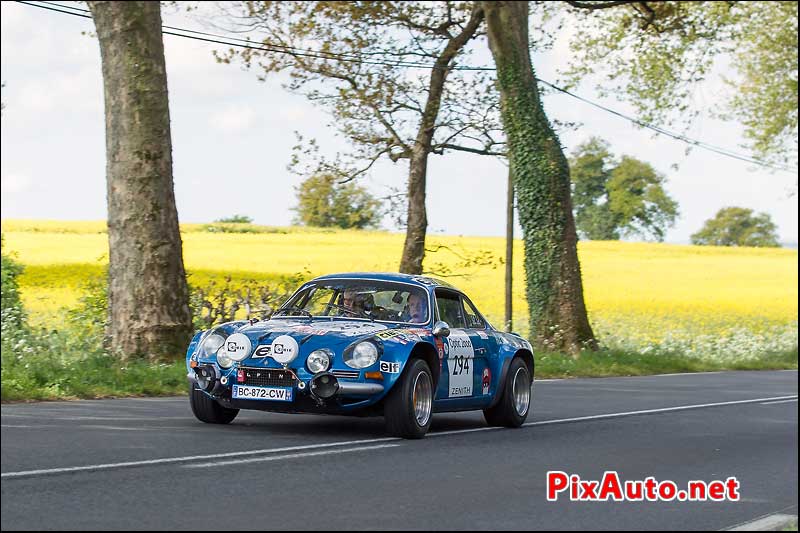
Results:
x,y
421,281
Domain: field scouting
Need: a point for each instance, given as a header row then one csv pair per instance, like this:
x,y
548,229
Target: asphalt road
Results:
x,y
149,464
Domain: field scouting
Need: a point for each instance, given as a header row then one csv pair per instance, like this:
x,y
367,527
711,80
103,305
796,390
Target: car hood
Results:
x,y
311,334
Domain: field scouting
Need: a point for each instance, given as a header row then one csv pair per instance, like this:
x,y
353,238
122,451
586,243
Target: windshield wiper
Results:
x,y
294,308
360,314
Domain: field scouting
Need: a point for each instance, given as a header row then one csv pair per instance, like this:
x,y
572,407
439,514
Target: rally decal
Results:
x,y
262,351
390,368
486,380
460,362
397,335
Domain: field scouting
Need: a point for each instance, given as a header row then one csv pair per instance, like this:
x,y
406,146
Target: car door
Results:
x,y
464,353
484,346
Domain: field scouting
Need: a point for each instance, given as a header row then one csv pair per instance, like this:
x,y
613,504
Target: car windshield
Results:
x,y
373,300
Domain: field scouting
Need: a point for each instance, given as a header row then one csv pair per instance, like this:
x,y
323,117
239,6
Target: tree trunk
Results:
x,y
417,221
554,291
147,294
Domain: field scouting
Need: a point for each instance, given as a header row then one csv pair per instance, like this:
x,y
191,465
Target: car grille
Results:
x,y
346,374
266,377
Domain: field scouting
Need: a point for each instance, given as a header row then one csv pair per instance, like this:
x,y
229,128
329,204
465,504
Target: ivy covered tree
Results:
x,y
321,202
737,226
541,178
615,198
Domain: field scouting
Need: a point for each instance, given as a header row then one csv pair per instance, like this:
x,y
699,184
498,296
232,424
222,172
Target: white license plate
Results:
x,y
245,392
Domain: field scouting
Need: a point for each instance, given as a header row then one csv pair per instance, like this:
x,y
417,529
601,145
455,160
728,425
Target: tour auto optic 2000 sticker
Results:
x,y
460,362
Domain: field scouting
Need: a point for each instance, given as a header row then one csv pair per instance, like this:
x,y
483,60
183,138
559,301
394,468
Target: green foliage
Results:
x,y
654,57
231,227
11,312
619,362
323,203
765,95
235,219
737,226
72,361
618,197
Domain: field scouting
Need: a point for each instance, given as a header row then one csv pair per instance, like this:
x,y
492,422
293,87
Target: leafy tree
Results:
x,y
541,179
235,219
614,198
323,203
737,226
148,298
653,54
396,112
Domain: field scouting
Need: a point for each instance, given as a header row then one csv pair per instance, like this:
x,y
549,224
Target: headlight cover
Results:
x,y
212,343
319,360
223,360
364,354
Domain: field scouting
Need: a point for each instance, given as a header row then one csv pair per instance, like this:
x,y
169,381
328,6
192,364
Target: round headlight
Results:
x,y
213,343
223,360
318,361
363,355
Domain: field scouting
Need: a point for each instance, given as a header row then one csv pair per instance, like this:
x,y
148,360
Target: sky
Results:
x,y
232,137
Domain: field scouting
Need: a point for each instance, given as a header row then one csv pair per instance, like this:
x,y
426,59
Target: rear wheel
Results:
x,y
208,410
409,404
515,400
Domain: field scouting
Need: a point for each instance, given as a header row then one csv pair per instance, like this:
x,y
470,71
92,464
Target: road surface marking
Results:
x,y
289,456
779,401
774,522
649,411
108,466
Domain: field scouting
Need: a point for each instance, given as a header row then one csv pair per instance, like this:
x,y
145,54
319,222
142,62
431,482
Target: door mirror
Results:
x,y
441,329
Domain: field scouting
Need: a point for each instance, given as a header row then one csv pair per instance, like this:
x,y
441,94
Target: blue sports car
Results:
x,y
396,345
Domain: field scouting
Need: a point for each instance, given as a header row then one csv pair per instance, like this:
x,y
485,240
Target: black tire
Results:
x,y
208,410
399,412
505,412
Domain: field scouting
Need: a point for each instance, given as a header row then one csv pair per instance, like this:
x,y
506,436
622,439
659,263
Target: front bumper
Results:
x,y
321,388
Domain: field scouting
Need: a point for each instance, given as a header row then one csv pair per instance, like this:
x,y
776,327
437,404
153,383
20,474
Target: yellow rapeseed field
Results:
x,y
637,294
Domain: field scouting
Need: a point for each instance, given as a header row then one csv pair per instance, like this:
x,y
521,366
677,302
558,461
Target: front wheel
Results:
x,y
409,404
208,410
515,400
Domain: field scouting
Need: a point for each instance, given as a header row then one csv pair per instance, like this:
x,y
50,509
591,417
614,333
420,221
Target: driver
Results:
x,y
355,303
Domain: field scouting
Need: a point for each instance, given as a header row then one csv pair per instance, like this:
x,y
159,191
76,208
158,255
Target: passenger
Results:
x,y
416,308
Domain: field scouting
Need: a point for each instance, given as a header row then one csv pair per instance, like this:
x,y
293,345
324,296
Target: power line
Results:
x,y
356,58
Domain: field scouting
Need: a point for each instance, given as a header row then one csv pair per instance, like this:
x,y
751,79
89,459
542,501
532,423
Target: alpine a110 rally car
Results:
x,y
396,345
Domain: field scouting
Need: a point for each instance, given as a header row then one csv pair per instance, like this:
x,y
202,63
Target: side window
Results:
x,y
450,309
474,320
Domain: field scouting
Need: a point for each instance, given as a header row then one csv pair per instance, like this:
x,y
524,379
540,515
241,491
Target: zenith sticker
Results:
x,y
390,368
263,351
388,334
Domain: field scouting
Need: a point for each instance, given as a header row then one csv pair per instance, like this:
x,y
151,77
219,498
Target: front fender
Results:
x,y
398,348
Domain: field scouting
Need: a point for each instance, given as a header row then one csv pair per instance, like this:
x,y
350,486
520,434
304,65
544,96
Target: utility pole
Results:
x,y
509,245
